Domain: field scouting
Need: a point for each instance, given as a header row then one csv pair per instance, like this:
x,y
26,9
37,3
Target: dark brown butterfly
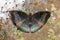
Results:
x,y
29,23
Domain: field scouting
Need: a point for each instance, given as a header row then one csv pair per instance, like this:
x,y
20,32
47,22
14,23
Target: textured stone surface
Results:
x,y
50,31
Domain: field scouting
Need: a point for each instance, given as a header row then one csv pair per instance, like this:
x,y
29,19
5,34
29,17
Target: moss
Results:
x,y
51,34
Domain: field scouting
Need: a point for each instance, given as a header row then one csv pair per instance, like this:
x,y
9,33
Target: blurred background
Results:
x,y
50,31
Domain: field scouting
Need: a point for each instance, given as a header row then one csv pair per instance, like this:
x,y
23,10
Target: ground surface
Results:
x,y
50,31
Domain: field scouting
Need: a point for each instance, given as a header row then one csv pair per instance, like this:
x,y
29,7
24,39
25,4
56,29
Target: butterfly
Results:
x,y
29,22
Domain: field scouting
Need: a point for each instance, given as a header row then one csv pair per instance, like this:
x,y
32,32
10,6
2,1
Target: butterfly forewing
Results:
x,y
42,16
18,17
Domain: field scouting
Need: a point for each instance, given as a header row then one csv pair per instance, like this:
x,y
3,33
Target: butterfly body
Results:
x,y
29,23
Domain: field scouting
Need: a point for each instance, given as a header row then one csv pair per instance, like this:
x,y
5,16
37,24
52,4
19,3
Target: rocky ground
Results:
x,y
50,31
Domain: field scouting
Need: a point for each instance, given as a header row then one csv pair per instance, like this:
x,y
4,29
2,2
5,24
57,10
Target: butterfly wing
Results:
x,y
40,19
19,20
18,17
42,16
24,28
